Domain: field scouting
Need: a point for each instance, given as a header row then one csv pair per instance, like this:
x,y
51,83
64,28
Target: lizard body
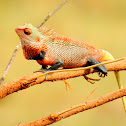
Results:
x,y
70,52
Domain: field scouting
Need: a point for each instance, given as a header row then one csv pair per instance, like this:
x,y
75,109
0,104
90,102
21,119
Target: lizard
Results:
x,y
49,48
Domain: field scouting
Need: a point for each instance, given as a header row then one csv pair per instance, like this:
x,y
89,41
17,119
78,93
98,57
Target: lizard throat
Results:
x,y
31,49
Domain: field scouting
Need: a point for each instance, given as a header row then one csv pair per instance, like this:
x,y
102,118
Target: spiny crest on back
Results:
x,y
47,32
62,39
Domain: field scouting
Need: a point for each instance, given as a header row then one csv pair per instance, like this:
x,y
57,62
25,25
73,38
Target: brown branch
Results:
x,y
76,109
26,81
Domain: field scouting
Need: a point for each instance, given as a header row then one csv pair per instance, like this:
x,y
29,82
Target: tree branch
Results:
x,y
76,109
27,81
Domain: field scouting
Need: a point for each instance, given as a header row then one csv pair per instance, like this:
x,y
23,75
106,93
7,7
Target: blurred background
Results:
x,y
98,23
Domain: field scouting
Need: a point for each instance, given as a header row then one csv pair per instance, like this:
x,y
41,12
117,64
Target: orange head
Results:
x,y
28,33
31,40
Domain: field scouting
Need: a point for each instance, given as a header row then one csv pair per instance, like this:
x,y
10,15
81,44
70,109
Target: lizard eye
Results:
x,y
27,31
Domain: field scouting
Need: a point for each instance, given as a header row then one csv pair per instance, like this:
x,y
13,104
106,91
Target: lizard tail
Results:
x,y
120,87
108,56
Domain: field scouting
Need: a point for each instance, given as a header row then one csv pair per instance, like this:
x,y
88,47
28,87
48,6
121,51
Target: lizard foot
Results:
x,y
41,70
91,80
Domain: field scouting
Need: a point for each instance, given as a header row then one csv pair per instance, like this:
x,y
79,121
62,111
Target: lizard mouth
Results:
x,y
21,34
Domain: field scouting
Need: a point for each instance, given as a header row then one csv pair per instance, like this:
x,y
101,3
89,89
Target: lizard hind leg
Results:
x,y
91,80
101,69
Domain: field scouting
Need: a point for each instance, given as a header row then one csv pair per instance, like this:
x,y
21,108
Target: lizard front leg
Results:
x,y
58,64
41,56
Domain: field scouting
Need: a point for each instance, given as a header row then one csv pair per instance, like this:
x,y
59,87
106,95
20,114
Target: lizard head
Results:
x,y
28,33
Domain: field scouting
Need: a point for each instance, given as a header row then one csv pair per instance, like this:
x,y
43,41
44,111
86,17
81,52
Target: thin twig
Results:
x,y
50,14
10,62
77,109
26,82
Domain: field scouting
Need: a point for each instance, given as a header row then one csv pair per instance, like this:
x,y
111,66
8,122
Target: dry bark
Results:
x,y
27,81
76,109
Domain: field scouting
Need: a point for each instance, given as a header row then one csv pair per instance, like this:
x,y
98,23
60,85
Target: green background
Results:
x,y
101,23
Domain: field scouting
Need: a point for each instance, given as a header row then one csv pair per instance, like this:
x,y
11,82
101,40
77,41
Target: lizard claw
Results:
x,y
91,80
41,70
102,74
